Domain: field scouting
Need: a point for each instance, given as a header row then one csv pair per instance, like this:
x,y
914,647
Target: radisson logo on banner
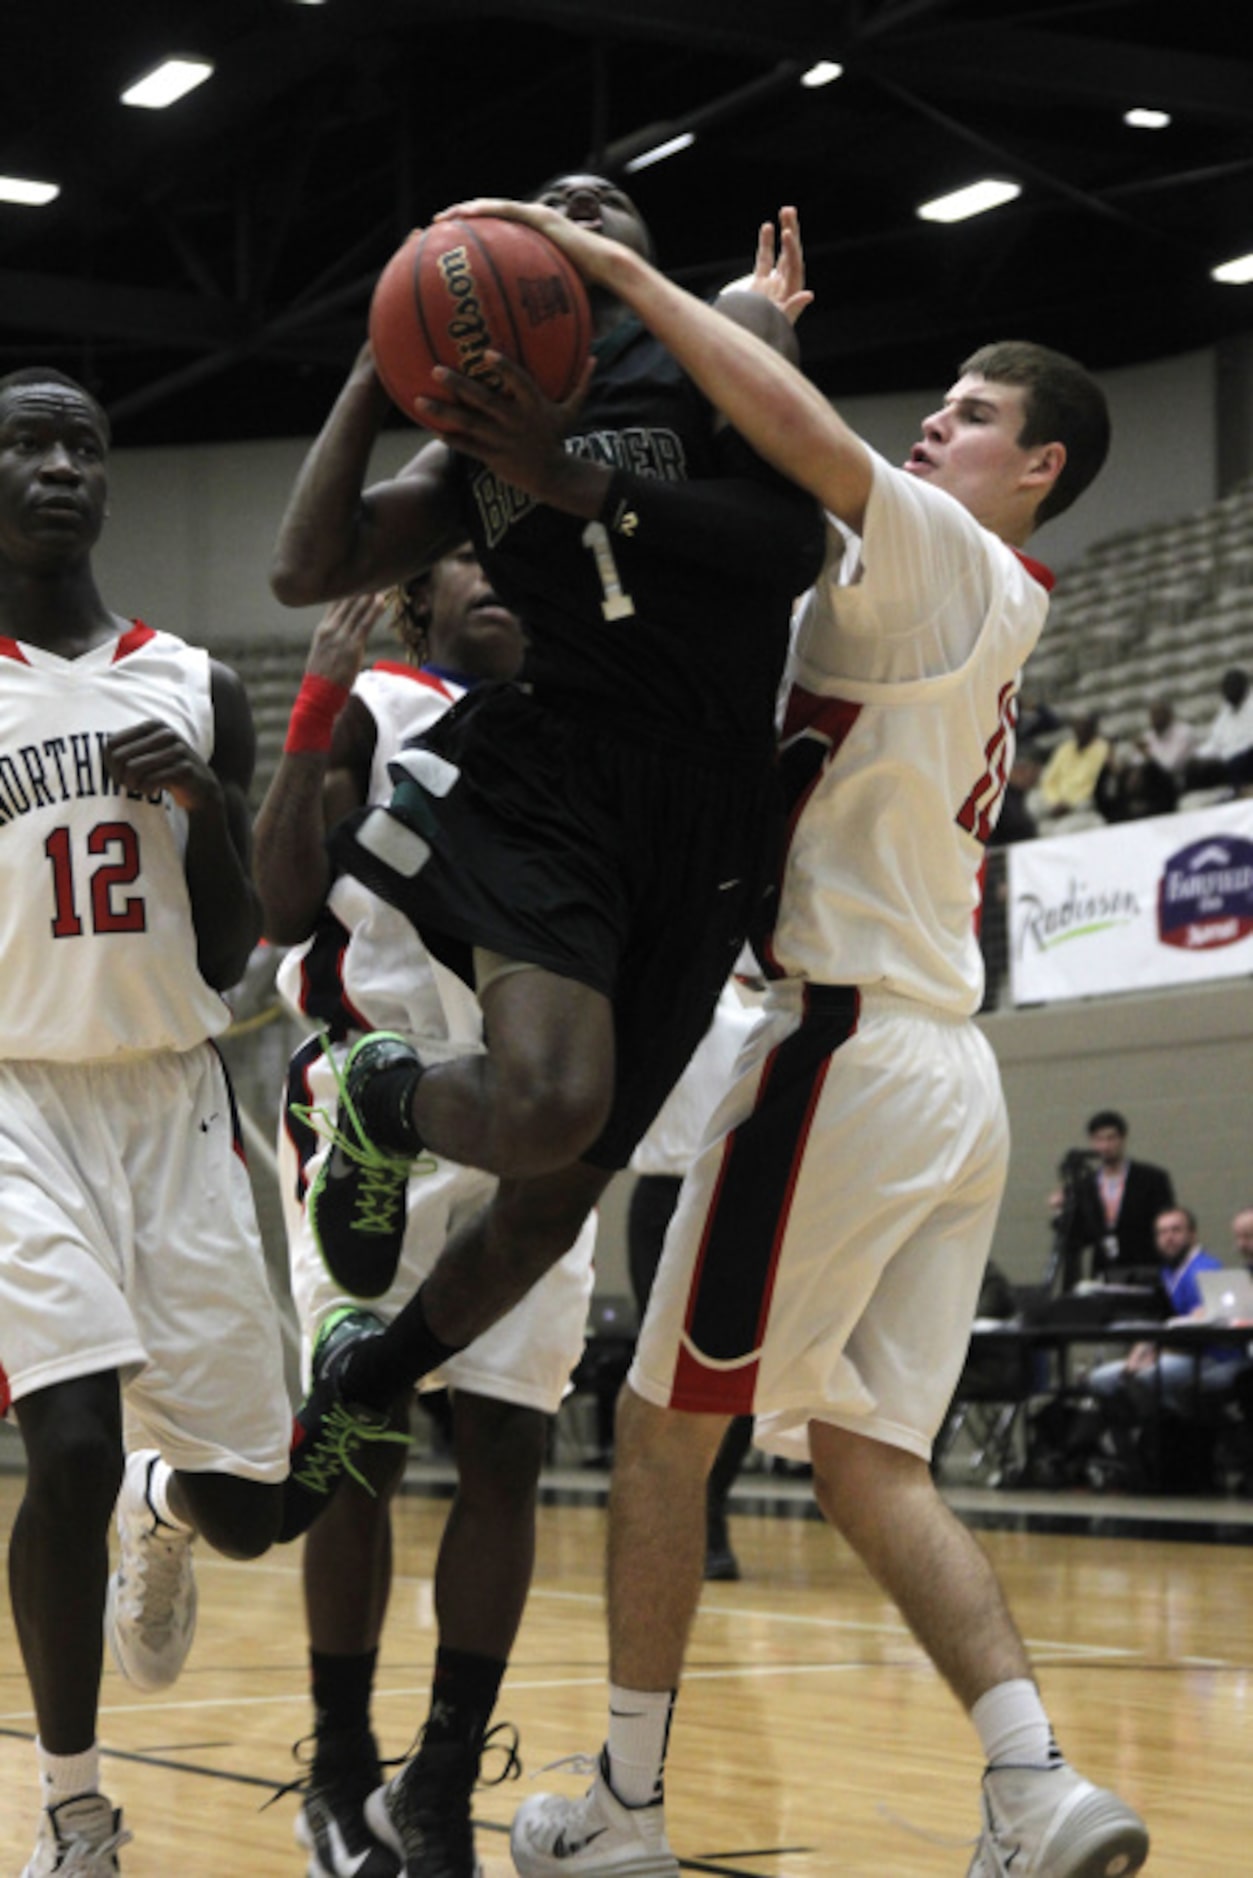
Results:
x,y
1077,914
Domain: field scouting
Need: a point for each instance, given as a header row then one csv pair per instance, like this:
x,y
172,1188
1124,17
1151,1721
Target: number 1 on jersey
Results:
x,y
615,604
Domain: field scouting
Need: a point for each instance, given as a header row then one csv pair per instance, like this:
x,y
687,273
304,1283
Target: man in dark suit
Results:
x,y
1112,1202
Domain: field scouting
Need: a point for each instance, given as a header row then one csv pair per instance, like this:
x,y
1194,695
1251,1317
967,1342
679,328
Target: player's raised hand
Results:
x,y
779,266
340,638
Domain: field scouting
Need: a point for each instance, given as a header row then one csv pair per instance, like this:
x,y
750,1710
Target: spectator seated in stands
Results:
x,y
1065,797
1107,1206
1168,742
1151,1396
1224,757
1145,776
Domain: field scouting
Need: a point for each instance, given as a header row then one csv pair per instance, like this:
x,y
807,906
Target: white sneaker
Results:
x,y
80,1838
150,1612
1048,1822
595,1834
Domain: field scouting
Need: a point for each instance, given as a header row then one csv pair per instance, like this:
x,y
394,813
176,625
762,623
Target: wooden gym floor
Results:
x,y
812,1736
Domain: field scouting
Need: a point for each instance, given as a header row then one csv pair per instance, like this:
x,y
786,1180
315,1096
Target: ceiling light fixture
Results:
x,y
821,74
167,82
1235,273
974,199
660,151
30,194
1142,118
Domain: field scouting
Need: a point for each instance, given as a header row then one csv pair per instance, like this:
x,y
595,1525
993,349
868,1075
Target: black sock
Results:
x,y
379,1370
463,1694
342,1687
385,1106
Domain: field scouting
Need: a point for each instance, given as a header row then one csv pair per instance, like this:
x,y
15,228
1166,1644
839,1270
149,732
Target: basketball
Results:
x,y
458,289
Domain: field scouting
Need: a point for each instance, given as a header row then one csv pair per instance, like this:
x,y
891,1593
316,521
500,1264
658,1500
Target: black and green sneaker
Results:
x,y
358,1203
329,1432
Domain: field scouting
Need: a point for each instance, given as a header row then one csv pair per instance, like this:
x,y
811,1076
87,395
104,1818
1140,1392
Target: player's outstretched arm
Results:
x,y
785,418
322,776
337,537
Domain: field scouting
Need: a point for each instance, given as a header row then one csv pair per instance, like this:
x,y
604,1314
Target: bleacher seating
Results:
x,y
271,672
1163,610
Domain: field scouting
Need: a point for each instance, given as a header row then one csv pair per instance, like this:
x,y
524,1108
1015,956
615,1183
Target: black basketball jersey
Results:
x,y
642,636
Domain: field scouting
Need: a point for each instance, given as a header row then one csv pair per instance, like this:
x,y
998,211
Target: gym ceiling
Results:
x,y
206,268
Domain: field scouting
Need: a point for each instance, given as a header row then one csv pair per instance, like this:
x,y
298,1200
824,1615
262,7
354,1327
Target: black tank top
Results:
x,y
699,655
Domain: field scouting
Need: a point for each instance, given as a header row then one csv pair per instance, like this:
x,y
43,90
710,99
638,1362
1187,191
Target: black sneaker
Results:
x,y
329,1431
331,1822
423,1814
357,1205
331,1826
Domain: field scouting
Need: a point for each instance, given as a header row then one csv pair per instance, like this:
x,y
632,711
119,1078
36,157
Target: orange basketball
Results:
x,y
460,288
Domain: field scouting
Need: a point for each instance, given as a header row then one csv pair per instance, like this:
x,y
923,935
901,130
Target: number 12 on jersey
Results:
x,y
116,846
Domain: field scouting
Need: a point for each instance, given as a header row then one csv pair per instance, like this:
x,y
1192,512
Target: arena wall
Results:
x,y
192,529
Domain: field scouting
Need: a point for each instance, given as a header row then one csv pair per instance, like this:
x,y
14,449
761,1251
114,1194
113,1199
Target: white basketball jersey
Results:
x,y
376,971
96,935
897,741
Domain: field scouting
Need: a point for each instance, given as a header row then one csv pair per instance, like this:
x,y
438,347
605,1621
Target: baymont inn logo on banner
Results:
x,y
1206,895
1078,913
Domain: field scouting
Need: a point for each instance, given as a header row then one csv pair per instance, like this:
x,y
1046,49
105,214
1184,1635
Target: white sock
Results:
x,y
65,1776
1013,1726
639,1733
160,1474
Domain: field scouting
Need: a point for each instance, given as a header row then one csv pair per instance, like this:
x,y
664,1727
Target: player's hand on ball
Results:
x,y
591,253
516,431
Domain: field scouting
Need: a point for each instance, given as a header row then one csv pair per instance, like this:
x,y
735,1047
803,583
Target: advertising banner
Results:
x,y
1167,901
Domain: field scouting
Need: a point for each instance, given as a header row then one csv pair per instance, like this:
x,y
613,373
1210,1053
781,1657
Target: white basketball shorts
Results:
x,y
526,1358
129,1241
825,1258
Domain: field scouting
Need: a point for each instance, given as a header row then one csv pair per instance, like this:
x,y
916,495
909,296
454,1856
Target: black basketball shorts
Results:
x,y
630,864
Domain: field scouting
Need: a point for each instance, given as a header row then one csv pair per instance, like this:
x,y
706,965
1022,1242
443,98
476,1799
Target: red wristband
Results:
x,y
318,703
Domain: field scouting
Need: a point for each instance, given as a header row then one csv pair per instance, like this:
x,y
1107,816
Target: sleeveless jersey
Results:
x,y
700,653
97,944
898,738
364,967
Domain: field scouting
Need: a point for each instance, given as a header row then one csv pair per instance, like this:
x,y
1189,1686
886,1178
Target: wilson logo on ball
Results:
x,y
467,327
